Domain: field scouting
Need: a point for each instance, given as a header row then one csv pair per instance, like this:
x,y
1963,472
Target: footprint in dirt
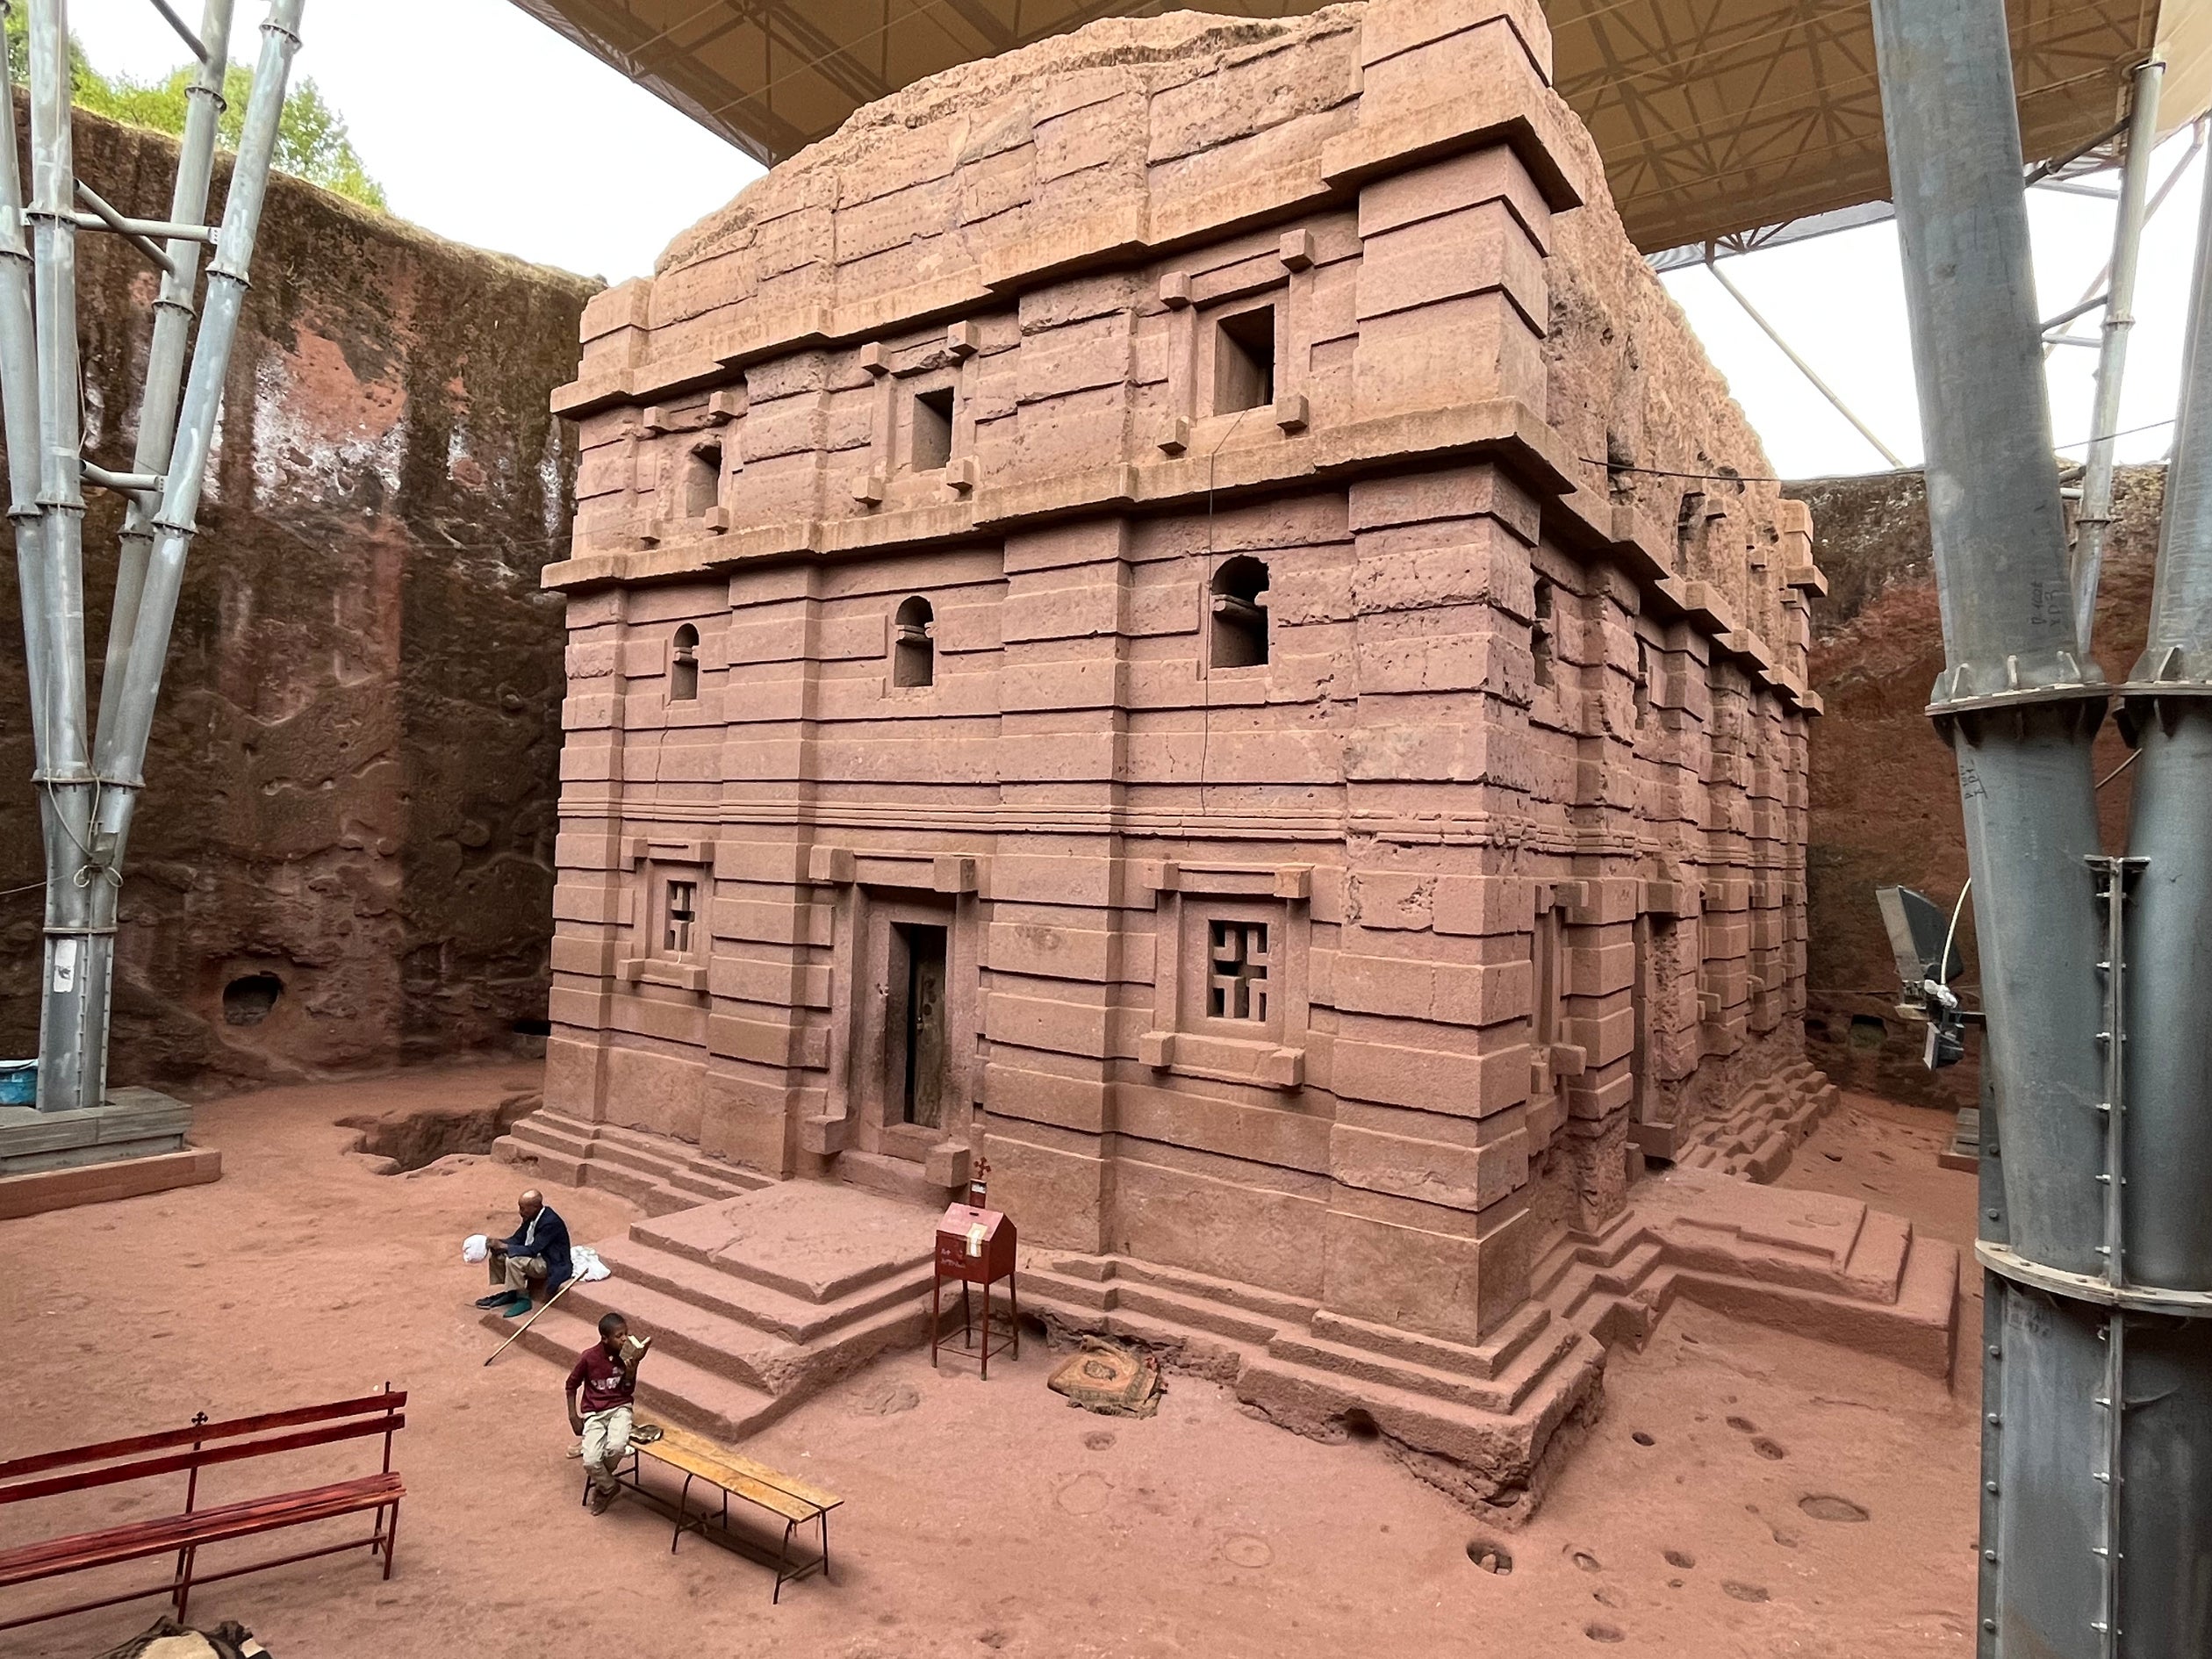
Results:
x,y
1085,1495
1247,1551
1825,1507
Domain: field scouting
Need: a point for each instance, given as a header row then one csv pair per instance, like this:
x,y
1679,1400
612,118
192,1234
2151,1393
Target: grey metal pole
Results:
x,y
2016,699
19,408
70,1074
123,749
2021,704
2093,523
173,314
2168,711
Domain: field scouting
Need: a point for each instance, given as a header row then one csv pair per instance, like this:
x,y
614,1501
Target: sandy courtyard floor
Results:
x,y
980,1518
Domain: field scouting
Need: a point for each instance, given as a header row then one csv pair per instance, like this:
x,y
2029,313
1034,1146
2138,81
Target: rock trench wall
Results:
x,y
1884,789
348,825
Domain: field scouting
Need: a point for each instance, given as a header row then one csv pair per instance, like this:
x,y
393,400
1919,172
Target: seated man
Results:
x,y
537,1249
607,1372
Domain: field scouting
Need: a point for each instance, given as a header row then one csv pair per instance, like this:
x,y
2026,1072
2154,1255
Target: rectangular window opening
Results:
x,y
932,444
702,480
1245,360
1237,980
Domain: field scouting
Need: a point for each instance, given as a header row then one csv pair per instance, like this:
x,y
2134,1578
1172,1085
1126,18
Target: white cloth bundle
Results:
x,y
584,1264
475,1247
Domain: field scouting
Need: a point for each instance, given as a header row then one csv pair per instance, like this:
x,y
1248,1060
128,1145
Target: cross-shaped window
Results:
x,y
682,912
1237,988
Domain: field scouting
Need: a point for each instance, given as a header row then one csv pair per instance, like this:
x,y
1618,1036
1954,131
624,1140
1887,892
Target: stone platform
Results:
x,y
1487,1425
754,1303
135,1143
1815,1263
758,1301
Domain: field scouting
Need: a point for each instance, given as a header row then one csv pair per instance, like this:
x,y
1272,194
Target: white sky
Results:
x,y
483,126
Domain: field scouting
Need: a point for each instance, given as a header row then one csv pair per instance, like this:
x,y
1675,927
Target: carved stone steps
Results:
x,y
658,1175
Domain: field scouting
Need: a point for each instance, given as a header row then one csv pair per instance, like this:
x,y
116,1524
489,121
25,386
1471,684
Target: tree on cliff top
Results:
x,y
312,140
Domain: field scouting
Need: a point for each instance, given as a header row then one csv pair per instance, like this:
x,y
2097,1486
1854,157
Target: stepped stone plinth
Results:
x,y
755,1302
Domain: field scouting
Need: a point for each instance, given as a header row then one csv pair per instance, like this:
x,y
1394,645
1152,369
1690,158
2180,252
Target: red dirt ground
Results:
x,y
980,1518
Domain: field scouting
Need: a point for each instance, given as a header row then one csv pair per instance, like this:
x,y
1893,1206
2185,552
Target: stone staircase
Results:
x,y
1476,1421
657,1173
754,1303
1755,1139
1815,1263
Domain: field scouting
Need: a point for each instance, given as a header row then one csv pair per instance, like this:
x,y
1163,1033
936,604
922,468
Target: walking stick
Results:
x,y
532,1319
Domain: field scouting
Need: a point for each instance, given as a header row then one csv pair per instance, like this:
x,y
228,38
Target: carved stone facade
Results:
x,y
1180,611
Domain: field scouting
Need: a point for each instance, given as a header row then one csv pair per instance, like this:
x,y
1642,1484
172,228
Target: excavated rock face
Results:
x,y
1884,787
345,854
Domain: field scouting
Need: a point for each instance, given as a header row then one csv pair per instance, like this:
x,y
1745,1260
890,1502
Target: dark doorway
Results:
x,y
1644,998
920,1024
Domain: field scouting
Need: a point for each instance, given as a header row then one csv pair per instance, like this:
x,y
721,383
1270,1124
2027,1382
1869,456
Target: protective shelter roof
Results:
x,y
1713,116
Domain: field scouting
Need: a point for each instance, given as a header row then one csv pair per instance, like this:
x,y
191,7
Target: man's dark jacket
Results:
x,y
551,1242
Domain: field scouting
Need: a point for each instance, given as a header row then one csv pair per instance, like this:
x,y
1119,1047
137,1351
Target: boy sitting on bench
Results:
x,y
607,1372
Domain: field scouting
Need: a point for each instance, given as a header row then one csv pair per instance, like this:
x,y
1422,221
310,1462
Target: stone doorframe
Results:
x,y
877,892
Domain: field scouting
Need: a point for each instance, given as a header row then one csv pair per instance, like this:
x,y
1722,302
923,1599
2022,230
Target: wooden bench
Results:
x,y
698,1459
148,1456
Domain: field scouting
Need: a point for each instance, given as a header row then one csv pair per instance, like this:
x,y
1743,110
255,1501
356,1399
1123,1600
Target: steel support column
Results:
x,y
2093,521
2098,1398
88,783
2074,1452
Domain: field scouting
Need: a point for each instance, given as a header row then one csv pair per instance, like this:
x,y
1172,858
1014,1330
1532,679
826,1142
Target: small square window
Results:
x,y
1237,979
682,916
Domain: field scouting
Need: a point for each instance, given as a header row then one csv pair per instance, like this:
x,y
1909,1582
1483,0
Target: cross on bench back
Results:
x,y
187,1451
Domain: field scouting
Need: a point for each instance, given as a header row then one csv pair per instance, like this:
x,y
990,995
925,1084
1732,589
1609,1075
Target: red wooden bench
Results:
x,y
148,1456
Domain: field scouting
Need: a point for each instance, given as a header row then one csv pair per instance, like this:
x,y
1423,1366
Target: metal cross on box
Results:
x,y
89,768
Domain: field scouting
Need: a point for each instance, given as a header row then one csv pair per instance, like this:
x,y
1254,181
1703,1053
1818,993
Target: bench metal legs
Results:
x,y
787,1572
784,1573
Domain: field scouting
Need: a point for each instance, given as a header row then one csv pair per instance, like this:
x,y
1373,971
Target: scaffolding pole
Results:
x,y
2093,521
88,777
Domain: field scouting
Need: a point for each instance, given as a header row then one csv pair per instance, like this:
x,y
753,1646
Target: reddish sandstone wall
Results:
x,y
1884,789
351,778
1519,791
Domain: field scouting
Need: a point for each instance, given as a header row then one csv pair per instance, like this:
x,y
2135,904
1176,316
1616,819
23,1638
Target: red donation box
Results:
x,y
975,1246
